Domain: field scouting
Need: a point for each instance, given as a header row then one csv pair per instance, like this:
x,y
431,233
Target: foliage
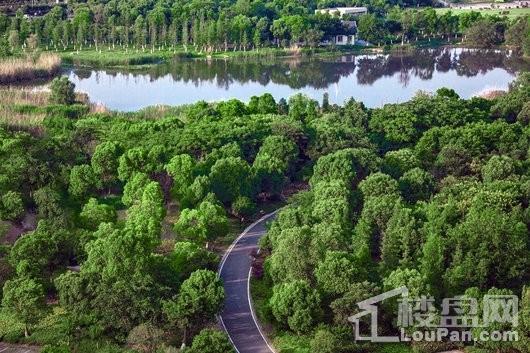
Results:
x,y
188,257
42,250
200,298
93,214
55,349
180,168
484,34
25,298
211,341
82,181
323,342
145,338
62,91
195,28
230,178
104,161
274,160
11,206
295,305
205,223
134,188
243,207
432,194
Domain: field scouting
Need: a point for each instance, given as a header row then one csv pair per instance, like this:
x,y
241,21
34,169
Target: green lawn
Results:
x,y
121,57
510,13
117,57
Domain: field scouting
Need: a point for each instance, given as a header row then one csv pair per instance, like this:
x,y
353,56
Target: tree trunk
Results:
x,y
184,336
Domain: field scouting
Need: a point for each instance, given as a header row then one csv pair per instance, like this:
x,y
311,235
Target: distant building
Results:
x,y
345,38
341,11
350,27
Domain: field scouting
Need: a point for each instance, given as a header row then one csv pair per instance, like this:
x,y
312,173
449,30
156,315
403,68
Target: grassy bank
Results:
x,y
118,57
122,57
18,69
510,13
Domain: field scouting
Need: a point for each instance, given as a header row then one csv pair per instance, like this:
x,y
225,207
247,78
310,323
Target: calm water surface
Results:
x,y
373,79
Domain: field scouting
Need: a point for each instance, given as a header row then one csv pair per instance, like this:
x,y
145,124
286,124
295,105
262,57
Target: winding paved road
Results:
x,y
238,318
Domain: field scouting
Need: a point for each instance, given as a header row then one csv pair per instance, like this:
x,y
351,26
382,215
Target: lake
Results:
x,y
372,79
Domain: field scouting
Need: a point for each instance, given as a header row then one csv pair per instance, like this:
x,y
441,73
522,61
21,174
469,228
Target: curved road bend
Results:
x,y
238,318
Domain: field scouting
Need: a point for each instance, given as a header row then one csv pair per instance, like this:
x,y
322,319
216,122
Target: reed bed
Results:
x,y
17,107
28,107
10,118
15,96
28,68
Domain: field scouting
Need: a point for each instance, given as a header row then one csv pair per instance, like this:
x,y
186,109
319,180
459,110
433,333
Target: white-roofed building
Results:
x,y
341,11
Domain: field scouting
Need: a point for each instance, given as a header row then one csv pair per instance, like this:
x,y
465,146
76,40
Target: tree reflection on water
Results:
x,y
320,73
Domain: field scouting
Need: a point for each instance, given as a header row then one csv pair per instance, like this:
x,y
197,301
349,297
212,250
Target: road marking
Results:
x,y
229,337
247,229
254,314
223,260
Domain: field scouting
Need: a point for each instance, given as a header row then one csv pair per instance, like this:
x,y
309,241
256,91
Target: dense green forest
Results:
x,y
132,208
214,26
429,194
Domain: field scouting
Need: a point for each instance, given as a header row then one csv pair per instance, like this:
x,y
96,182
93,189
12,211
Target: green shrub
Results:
x,y
52,330
324,341
11,330
99,346
433,347
211,341
4,228
72,111
261,293
93,214
62,91
6,272
11,206
243,207
56,124
25,108
392,348
55,349
5,51
291,343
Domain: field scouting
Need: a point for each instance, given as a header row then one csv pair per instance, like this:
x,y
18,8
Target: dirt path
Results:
x,y
28,224
18,348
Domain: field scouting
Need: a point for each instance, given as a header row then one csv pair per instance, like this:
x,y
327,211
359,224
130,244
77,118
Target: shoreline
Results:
x,y
143,60
21,70
124,58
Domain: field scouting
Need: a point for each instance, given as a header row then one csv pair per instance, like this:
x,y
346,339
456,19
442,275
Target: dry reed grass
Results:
x,y
27,107
10,118
11,98
14,96
29,68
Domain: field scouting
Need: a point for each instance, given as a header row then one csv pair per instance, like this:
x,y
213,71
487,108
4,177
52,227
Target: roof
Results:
x,y
349,24
360,9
